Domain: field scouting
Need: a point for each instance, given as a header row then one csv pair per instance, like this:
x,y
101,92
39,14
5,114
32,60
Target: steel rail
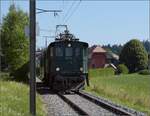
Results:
x,y
112,108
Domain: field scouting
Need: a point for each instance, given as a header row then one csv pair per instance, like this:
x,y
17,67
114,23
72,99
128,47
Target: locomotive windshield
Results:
x,y
59,51
68,52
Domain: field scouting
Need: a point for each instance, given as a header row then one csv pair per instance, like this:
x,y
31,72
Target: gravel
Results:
x,y
54,105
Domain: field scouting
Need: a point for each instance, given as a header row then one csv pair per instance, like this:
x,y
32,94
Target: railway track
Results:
x,y
117,109
109,107
89,105
85,106
81,103
73,105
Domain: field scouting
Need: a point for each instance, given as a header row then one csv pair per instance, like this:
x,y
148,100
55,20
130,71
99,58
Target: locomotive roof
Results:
x,y
66,37
63,42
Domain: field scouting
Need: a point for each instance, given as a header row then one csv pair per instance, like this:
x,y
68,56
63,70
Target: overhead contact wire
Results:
x,y
68,12
74,10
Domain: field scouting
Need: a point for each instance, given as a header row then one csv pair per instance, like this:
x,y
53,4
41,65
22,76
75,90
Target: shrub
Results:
x,y
4,76
21,74
122,69
144,72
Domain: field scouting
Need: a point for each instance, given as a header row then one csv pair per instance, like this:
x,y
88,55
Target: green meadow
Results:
x,y
131,90
14,98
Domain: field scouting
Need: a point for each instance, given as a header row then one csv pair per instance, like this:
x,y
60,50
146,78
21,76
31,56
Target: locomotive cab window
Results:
x,y
68,52
59,51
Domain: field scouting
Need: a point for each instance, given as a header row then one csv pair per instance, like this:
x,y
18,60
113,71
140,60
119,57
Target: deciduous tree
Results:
x,y
134,56
14,42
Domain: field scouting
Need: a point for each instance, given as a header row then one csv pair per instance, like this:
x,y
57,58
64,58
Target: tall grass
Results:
x,y
101,72
132,90
14,99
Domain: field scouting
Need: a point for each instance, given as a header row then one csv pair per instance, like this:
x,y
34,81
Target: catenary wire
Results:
x,y
73,11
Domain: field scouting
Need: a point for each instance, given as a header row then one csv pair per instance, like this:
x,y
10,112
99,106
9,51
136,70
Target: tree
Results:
x,y
134,56
15,45
114,48
148,61
147,45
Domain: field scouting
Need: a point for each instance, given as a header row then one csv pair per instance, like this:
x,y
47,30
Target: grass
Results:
x,y
132,90
14,98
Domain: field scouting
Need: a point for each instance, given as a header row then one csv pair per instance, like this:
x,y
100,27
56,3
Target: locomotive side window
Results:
x,y
51,51
85,60
59,51
68,51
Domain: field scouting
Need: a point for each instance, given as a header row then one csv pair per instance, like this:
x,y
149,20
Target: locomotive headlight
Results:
x,y
81,69
57,69
69,45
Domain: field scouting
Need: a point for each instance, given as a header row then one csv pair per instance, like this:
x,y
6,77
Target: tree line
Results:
x,y
116,48
133,54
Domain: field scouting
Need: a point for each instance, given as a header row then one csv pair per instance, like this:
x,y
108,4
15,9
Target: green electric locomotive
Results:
x,y
65,64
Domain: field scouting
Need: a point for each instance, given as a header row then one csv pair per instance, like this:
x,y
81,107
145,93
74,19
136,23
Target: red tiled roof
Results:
x,y
98,49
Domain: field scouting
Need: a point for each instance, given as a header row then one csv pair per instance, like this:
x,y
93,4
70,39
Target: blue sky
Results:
x,y
95,22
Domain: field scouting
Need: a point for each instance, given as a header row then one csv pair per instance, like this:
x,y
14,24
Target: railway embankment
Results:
x,y
14,98
131,90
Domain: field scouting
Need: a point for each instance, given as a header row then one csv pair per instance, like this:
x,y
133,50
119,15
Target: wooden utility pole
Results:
x,y
0,38
32,54
32,57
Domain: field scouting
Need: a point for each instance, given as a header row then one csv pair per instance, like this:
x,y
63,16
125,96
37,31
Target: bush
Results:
x,y
21,74
144,72
122,69
4,76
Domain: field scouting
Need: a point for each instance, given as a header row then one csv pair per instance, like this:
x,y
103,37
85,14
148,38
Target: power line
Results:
x,y
63,2
74,10
12,2
69,10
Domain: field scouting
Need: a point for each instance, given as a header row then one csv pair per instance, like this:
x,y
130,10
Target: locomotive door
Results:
x,y
77,58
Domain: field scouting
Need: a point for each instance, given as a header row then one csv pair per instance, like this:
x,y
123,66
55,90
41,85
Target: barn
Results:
x,y
97,57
